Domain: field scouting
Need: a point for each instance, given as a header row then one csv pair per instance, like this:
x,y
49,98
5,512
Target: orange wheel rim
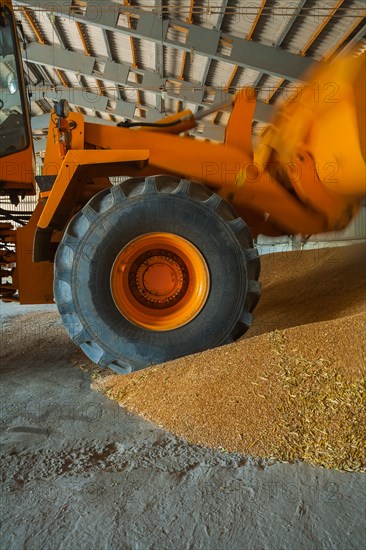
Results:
x,y
160,281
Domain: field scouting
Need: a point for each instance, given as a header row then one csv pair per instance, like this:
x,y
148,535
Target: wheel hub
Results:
x,y
159,278
160,281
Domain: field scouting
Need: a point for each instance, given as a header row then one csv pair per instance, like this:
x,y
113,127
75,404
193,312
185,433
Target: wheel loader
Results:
x,y
163,264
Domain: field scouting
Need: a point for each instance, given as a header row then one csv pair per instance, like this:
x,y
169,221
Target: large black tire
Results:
x,y
113,218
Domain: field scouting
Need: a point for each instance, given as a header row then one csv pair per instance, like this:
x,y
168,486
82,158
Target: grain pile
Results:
x,y
294,388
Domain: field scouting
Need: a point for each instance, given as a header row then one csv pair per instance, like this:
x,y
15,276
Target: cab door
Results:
x,y
16,149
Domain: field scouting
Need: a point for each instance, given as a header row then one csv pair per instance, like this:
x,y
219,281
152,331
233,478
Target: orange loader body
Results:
x,y
305,174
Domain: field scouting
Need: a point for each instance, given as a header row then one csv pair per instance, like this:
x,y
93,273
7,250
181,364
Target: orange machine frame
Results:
x,y
280,187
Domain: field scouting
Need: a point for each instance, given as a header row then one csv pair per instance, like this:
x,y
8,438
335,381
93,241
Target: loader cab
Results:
x,y
16,151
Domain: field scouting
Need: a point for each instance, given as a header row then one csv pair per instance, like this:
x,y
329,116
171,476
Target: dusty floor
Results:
x,y
80,472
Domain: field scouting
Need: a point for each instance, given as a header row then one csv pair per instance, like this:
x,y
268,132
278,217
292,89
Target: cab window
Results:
x,y
14,136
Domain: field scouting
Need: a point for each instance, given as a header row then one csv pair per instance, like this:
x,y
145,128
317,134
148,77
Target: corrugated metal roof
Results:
x,y
120,47
194,68
145,54
70,36
95,40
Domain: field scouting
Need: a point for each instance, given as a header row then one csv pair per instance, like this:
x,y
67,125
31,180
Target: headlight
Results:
x,y
62,108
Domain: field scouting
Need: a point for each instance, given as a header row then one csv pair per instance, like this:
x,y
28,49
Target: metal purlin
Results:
x,y
189,19
134,61
249,37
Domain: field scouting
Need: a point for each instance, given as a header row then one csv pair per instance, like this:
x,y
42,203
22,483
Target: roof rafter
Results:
x,y
219,22
159,57
134,59
248,37
118,73
110,58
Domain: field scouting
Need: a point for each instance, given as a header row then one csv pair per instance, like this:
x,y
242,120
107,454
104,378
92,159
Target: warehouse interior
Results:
x,y
255,444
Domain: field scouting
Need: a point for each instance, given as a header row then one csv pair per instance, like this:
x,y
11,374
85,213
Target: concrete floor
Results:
x,y
79,472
